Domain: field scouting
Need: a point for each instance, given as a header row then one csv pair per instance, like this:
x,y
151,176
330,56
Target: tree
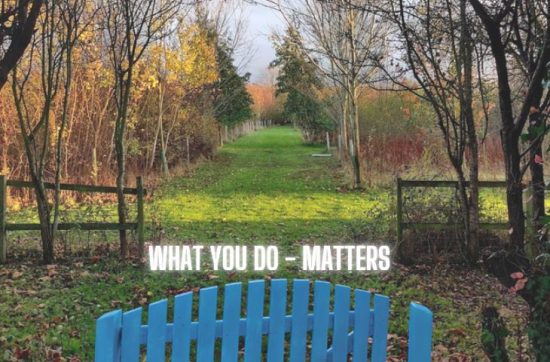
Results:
x,y
54,42
183,71
231,100
340,37
518,33
297,79
17,26
438,52
130,27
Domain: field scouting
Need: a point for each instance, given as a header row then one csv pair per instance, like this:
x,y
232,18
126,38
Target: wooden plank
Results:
x,y
74,187
131,325
140,216
277,312
446,226
380,332
231,318
445,183
75,226
362,324
107,337
181,331
342,295
399,221
300,303
208,301
420,333
321,305
156,332
254,321
3,212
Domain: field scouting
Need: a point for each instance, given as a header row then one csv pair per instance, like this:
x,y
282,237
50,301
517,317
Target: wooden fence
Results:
x,y
349,325
401,184
139,191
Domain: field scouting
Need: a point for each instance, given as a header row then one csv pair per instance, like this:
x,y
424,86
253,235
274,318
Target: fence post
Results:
x,y
3,203
140,215
399,221
530,232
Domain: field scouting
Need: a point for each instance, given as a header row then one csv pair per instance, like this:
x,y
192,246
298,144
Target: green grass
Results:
x,y
267,188
263,189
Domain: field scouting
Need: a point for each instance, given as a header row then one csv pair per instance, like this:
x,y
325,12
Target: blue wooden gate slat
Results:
x,y
361,329
107,343
231,318
420,333
156,335
181,331
119,335
321,309
380,333
341,323
131,322
277,312
254,316
208,300
300,304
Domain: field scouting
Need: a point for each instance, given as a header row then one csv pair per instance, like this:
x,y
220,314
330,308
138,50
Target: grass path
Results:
x,y
266,188
263,189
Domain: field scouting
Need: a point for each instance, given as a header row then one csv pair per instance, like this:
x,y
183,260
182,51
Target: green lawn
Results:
x,y
263,189
267,188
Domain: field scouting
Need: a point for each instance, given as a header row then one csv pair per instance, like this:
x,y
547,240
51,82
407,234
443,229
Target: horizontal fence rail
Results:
x,y
74,187
400,225
444,183
139,191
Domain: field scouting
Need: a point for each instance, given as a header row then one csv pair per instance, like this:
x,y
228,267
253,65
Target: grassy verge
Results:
x,y
263,189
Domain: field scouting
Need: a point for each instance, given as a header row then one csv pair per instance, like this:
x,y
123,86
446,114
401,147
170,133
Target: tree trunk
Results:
x,y
357,135
95,168
539,321
474,246
46,233
514,191
493,335
120,148
121,174
163,160
537,183
154,151
354,137
23,31
345,139
467,113
536,205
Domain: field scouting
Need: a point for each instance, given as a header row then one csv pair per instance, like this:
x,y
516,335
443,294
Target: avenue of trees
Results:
x,y
97,89
92,91
467,60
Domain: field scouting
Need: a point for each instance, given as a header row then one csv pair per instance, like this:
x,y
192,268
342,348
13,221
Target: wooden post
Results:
x,y
530,232
3,203
140,215
399,221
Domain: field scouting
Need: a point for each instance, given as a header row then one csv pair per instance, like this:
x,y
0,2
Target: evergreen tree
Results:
x,y
298,80
232,102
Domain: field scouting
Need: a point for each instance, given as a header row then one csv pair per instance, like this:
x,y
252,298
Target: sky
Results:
x,y
262,21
